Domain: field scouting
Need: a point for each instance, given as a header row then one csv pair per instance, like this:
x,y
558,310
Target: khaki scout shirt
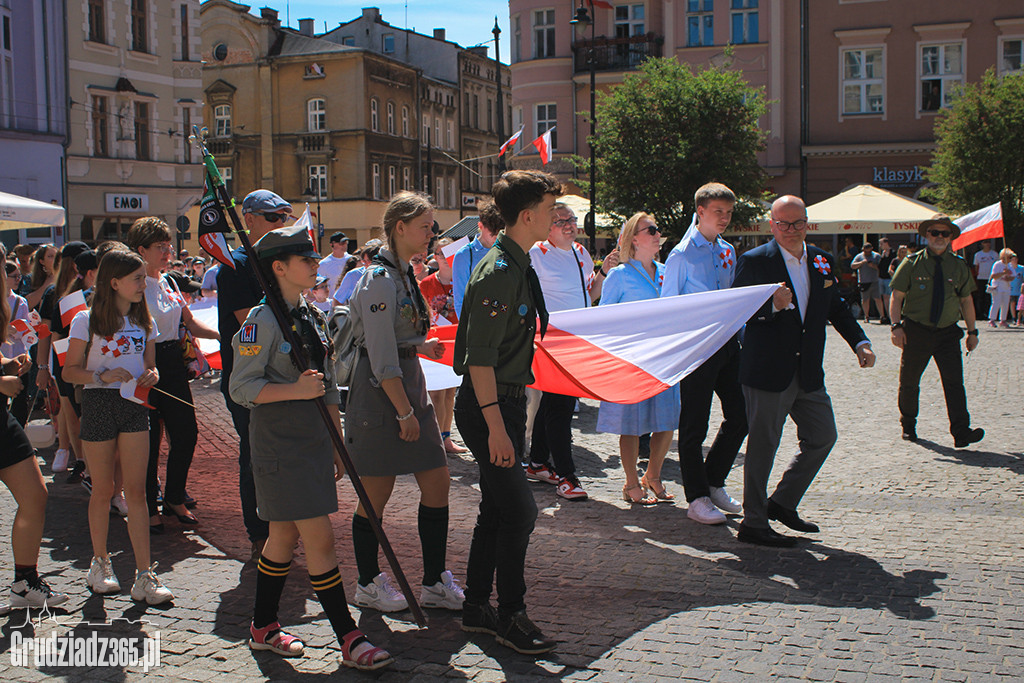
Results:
x,y
914,276
499,318
262,356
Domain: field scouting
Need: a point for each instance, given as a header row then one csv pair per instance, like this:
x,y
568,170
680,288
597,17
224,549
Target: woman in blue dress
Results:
x,y
636,278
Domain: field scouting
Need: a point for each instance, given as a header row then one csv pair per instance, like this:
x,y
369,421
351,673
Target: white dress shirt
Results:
x,y
797,268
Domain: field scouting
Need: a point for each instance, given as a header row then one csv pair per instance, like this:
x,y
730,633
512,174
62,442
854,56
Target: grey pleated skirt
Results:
x,y
292,462
371,427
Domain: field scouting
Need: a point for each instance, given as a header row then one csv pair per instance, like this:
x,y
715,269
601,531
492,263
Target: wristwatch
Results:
x,y
897,326
972,333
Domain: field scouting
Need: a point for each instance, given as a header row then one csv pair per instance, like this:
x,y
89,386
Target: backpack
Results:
x,y
346,351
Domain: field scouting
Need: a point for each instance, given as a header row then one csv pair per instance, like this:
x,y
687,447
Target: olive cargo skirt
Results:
x,y
292,462
371,427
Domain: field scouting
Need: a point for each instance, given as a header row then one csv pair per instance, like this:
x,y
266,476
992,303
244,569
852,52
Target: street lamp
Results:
x,y
311,193
582,20
501,106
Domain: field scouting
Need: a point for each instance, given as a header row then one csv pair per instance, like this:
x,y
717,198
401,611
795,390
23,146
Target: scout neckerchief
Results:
x,y
643,271
314,336
420,317
536,293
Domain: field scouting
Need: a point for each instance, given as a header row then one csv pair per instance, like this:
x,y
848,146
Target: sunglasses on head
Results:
x,y
940,233
274,217
651,230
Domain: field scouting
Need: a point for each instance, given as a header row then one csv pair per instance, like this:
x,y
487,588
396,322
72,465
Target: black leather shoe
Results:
x,y
790,518
909,435
767,537
479,618
516,631
973,436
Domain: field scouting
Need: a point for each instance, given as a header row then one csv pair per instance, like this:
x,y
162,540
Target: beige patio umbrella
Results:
x,y
17,213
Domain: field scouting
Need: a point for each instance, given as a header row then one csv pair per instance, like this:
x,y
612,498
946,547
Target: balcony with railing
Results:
x,y
616,54
313,143
220,146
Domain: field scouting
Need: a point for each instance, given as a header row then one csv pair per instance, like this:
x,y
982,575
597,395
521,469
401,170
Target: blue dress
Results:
x,y
630,282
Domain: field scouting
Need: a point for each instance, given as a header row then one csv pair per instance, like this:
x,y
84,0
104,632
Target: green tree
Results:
x,y
980,155
666,130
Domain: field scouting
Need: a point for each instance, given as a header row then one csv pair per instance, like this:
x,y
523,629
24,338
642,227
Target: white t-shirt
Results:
x,y
984,260
165,306
333,268
998,268
125,349
559,273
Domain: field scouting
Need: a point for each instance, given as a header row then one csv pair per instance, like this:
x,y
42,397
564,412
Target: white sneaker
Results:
x,y
445,594
148,587
101,579
380,595
60,460
119,505
723,501
35,594
704,511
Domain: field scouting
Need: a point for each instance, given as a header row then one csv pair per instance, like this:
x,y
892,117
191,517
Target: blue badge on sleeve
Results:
x,y
523,308
247,335
285,347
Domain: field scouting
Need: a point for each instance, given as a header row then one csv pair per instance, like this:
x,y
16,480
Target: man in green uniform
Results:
x,y
931,290
494,353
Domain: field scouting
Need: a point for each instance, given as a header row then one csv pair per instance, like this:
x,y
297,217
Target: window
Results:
x,y
1012,56
543,33
142,130
439,191
186,125
476,111
451,191
374,116
184,32
348,40
405,121
387,43
700,23
490,115
222,120
376,181
391,118
863,91
227,174
426,131
629,21
405,179
391,182
450,134
744,21
101,127
97,21
6,69
545,120
316,114
437,132
517,39
139,42
942,71
316,175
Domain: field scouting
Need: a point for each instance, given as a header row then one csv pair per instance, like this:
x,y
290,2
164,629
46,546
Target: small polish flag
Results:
x,y
60,349
25,331
70,306
450,249
306,221
983,224
543,145
511,142
131,391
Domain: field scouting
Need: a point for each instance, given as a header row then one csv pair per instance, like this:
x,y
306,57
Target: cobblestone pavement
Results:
x,y
917,574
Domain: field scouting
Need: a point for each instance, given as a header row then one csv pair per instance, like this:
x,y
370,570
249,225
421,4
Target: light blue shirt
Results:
x,y
630,282
463,264
699,265
1015,283
348,285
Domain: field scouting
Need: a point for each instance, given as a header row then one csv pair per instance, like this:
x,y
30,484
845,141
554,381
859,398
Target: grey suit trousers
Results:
x,y
766,416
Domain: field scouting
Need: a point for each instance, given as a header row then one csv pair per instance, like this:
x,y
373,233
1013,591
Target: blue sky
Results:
x,y
469,24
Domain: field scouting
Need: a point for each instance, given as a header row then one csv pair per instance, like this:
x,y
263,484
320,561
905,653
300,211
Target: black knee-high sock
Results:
x,y
365,545
433,527
330,591
270,578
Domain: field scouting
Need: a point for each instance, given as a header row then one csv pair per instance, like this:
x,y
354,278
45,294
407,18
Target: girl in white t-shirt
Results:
x,y
111,344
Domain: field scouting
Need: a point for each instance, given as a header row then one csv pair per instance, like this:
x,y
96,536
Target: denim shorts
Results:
x,y
105,414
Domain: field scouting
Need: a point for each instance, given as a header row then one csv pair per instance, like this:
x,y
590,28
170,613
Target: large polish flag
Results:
x,y
983,224
625,353
511,141
543,145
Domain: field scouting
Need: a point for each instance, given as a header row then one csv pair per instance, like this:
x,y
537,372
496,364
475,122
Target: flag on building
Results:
x,y
543,145
70,306
213,226
600,3
511,141
449,250
983,224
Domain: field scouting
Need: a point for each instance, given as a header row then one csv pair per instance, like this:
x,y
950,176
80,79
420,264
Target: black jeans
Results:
x,y
942,344
718,375
552,434
507,508
180,421
256,528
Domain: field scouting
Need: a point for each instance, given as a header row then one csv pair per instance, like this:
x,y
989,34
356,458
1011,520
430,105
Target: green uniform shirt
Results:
x,y
914,278
499,316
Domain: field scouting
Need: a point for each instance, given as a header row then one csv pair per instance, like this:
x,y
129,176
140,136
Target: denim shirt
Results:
x,y
698,265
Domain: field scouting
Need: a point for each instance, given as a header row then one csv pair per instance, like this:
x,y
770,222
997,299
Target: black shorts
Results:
x,y
14,444
105,414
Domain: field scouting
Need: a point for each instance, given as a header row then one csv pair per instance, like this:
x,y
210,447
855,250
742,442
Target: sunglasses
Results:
x,y
274,217
651,230
940,233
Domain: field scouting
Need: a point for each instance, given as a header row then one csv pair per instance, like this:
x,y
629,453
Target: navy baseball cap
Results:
x,y
338,237
259,201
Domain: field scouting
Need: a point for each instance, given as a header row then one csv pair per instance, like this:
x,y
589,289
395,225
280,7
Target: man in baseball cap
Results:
x,y
335,265
261,201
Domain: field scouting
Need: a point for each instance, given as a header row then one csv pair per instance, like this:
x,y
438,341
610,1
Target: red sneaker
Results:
x,y
541,473
570,489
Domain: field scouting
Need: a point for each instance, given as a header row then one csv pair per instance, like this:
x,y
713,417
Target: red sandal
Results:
x,y
370,660
272,638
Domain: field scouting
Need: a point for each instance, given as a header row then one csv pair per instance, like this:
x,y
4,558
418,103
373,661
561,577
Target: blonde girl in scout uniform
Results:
x,y
390,425
294,462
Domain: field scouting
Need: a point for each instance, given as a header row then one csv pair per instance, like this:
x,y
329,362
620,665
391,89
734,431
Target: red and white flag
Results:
x,y
511,141
449,250
306,221
983,224
625,353
131,391
70,306
600,3
60,349
30,334
543,145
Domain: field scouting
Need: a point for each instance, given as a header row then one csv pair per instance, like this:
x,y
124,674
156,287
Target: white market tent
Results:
x,y
581,205
18,213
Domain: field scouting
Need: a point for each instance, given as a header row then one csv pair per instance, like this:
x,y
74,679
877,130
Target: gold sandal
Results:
x,y
644,499
660,493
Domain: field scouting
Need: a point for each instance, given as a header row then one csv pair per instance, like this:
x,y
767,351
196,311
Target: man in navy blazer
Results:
x,y
781,370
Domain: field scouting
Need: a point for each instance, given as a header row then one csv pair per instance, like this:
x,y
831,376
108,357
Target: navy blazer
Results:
x,y
777,346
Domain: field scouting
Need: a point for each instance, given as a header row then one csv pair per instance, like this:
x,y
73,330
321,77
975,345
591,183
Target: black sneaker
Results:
x,y
76,472
479,618
516,631
971,436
